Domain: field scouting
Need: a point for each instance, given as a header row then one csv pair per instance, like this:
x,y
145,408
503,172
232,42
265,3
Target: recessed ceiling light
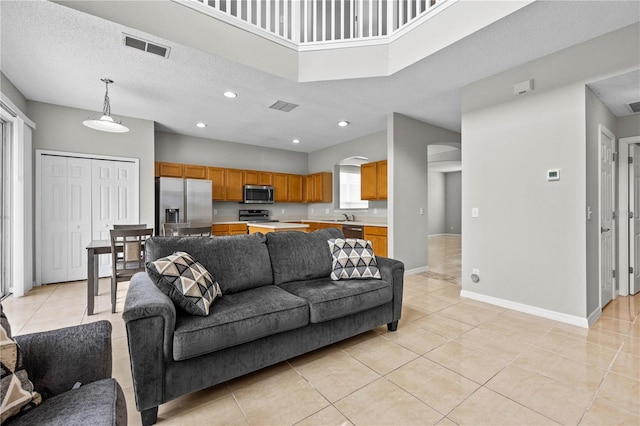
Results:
x,y
343,123
296,141
201,125
230,95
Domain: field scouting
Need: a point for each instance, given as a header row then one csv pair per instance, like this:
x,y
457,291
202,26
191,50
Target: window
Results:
x,y
349,192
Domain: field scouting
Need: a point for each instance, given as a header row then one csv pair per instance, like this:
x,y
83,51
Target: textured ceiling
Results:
x,y
57,55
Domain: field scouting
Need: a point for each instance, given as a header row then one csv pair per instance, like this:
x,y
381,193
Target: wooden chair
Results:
x,y
171,229
203,231
127,256
131,226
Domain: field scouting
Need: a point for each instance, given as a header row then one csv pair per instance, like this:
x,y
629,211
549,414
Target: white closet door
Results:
x,y
126,193
79,216
66,218
54,219
102,207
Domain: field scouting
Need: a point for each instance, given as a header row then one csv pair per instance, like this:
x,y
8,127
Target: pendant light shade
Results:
x,y
106,123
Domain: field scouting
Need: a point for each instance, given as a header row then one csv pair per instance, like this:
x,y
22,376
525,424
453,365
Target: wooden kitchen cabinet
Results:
x,y
319,187
378,237
295,188
234,184
250,177
191,171
218,185
280,187
221,230
265,178
170,170
373,180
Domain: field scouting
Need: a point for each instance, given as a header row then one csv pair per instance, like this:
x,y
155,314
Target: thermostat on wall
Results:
x,y
553,174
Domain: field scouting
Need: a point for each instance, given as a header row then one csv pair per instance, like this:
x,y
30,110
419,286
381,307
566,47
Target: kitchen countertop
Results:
x,y
278,225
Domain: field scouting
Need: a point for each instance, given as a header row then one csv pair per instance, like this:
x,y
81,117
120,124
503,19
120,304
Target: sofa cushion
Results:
x,y
16,390
334,299
352,258
98,403
185,281
238,262
298,256
239,318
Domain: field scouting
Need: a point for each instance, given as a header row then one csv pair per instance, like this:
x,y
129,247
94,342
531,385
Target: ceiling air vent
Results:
x,y
635,106
146,46
283,106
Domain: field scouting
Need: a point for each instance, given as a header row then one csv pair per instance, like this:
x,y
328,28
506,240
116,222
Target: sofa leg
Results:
x,y
392,326
149,416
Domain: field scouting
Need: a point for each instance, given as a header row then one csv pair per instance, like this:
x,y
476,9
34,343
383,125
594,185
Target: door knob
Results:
x,y
603,230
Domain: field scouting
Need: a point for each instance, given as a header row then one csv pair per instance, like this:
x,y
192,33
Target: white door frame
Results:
x,y
38,194
623,208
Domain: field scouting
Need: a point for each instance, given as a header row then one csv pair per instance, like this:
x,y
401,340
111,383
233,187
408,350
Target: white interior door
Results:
x,y
634,224
607,223
79,216
126,193
53,209
102,207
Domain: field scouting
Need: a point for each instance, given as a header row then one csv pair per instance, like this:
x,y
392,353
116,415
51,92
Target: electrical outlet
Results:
x,y
282,211
375,211
421,211
215,212
326,211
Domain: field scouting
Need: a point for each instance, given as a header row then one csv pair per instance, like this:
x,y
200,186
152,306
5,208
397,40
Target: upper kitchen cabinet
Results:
x,y
265,178
373,181
234,183
191,171
250,177
217,177
280,187
171,170
319,188
295,188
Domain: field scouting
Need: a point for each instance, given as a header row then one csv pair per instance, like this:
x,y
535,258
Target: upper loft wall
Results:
x,y
169,20
10,91
628,126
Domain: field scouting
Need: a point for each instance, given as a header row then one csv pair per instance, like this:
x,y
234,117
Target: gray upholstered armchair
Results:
x,y
55,361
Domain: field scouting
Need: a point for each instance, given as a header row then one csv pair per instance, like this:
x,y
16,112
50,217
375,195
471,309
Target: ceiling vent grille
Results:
x,y
635,106
283,106
145,45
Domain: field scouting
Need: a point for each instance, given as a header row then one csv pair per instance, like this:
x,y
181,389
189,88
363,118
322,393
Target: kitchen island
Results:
x,y
266,227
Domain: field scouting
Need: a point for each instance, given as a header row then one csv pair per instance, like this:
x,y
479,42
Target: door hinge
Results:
x,y
615,157
613,215
631,269
630,160
630,215
614,273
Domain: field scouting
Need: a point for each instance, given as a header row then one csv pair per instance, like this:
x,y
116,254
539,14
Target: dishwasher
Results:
x,y
353,231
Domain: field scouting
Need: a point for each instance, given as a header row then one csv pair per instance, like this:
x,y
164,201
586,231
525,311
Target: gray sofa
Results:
x,y
278,302
55,361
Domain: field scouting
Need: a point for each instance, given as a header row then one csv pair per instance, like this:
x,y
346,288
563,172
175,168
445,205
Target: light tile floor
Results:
x,y
452,361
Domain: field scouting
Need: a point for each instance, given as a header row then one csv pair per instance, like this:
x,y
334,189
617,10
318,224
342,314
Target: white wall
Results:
x,y
528,241
453,202
436,201
407,141
628,126
60,128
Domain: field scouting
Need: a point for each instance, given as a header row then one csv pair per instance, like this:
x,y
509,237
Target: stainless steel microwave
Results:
x,y
258,194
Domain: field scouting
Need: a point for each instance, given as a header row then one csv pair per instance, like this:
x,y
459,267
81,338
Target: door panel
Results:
x,y
607,224
79,216
54,219
102,208
634,231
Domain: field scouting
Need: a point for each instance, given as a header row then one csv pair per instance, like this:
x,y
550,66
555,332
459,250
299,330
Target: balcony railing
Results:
x,y
308,22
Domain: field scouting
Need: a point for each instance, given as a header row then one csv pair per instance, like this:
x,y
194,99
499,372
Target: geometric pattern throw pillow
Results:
x,y
16,390
185,281
352,259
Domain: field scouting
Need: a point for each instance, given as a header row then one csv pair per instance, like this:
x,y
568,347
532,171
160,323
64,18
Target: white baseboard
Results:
x,y
416,270
528,309
593,316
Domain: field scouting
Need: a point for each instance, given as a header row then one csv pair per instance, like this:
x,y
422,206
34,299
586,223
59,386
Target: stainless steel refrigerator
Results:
x,y
183,200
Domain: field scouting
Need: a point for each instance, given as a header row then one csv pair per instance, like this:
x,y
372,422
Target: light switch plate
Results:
x,y
475,212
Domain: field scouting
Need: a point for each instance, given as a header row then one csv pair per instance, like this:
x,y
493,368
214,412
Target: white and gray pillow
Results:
x,y
353,258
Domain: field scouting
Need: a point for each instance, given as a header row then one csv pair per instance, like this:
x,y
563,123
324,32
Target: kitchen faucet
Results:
x,y
346,216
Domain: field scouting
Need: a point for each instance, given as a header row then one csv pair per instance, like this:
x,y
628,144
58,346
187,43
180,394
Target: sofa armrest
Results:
x,y
392,271
55,360
145,301
150,320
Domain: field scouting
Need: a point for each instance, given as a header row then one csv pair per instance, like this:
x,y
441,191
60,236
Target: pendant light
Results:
x,y
106,123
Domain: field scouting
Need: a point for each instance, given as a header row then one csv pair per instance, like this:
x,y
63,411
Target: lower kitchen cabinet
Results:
x,y
378,237
221,230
